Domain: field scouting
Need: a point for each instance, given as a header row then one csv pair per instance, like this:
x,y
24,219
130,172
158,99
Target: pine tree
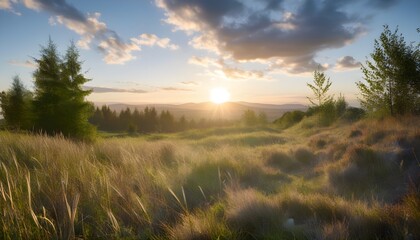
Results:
x,y
48,87
78,110
16,105
59,103
392,77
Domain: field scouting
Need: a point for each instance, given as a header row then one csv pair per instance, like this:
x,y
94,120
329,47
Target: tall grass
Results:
x,y
230,183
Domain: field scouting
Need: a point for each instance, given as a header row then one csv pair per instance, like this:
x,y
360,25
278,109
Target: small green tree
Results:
x,y
320,89
249,118
16,105
392,77
323,104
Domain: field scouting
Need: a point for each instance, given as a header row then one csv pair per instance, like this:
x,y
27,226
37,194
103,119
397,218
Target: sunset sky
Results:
x,y
177,51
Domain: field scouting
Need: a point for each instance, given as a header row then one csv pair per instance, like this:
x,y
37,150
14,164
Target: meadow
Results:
x,y
347,181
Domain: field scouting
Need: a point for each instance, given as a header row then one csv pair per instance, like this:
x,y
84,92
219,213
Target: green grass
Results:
x,y
345,181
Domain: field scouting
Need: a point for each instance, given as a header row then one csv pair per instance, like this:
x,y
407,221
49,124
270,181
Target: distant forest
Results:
x,y
148,121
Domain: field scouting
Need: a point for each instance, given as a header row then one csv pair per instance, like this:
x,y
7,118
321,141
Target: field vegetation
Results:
x,y
346,181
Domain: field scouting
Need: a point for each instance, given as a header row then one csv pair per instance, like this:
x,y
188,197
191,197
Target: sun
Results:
x,y
219,95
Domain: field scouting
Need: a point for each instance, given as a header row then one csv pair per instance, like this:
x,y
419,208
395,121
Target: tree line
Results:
x,y
148,121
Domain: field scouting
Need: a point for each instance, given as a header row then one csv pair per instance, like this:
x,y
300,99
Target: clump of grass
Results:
x,y
204,224
206,181
280,159
305,207
361,170
253,213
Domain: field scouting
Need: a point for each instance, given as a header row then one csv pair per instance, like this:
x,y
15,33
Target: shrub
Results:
x,y
353,114
289,119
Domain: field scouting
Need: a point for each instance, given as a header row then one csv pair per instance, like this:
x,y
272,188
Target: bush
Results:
x,y
289,119
353,114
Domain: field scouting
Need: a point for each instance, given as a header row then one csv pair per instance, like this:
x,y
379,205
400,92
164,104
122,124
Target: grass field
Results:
x,y
347,181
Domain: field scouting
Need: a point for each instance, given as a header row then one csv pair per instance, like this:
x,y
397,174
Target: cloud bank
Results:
x,y
286,34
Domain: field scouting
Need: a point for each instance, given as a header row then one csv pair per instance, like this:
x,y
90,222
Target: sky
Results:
x,y
177,51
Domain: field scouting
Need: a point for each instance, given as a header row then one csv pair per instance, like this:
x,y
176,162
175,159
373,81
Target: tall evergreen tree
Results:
x,y
392,77
78,110
16,105
48,87
59,103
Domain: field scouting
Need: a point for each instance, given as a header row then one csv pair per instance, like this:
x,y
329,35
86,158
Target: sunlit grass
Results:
x,y
343,181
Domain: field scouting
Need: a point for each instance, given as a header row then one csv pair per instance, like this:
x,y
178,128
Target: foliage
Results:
x,y
59,101
16,105
250,118
392,85
147,121
340,105
325,106
289,119
320,89
353,114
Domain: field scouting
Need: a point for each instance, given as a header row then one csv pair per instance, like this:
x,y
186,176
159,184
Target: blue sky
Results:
x,y
176,51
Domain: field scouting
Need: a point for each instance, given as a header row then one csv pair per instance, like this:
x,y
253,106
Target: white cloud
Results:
x,y
151,40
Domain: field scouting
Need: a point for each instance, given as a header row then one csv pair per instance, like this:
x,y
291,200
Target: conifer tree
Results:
x,y
59,102
16,105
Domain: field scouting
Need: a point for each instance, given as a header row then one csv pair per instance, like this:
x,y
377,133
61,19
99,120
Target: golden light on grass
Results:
x,y
219,95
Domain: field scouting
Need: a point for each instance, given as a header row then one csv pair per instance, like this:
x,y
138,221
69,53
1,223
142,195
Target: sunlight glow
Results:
x,y
219,95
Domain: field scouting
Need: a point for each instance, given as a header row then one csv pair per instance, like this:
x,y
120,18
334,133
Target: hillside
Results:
x,y
230,110
347,181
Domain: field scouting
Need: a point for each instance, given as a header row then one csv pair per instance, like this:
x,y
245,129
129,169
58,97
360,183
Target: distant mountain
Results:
x,y
229,110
